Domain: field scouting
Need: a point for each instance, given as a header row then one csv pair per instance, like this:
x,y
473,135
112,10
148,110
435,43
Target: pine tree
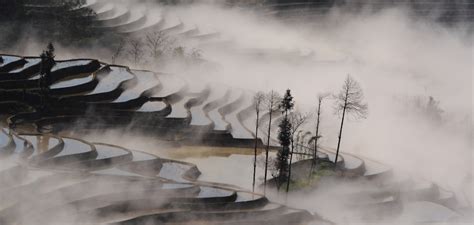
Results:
x,y
287,103
281,163
284,137
47,64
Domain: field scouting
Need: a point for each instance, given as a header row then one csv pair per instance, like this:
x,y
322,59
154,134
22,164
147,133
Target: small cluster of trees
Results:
x,y
426,106
348,102
46,65
155,47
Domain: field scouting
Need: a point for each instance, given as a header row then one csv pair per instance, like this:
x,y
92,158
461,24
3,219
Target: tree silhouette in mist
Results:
x,y
349,101
258,100
47,63
284,137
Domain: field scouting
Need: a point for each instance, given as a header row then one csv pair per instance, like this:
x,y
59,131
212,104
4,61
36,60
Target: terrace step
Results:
x,y
376,170
188,32
151,106
200,117
7,145
172,86
112,82
332,156
147,85
71,68
224,106
144,198
247,116
181,108
64,195
94,4
141,197
29,69
21,151
137,18
127,189
178,171
205,35
227,212
44,146
74,150
142,164
107,10
10,62
107,156
263,126
71,85
120,16
135,95
238,130
153,22
172,25
352,164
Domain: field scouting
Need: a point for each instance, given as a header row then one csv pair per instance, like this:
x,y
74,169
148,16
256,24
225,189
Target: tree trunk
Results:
x,y
317,133
316,137
289,168
268,146
340,130
255,153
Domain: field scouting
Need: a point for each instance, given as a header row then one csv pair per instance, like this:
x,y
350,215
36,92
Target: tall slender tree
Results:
x,y
321,97
271,105
284,137
46,64
157,44
118,50
135,50
258,99
297,119
281,163
349,101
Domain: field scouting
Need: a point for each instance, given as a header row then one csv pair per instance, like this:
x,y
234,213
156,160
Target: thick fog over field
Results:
x,y
401,61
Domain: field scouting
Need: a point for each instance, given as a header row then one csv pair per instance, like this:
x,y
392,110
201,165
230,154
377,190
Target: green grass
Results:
x,y
323,169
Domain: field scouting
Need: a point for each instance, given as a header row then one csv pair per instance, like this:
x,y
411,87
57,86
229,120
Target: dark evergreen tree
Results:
x,y
287,103
281,163
47,64
284,137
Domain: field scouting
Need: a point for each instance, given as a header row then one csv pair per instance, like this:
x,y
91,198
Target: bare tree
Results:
x,y
135,50
157,43
349,100
118,51
258,100
297,119
321,97
271,104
